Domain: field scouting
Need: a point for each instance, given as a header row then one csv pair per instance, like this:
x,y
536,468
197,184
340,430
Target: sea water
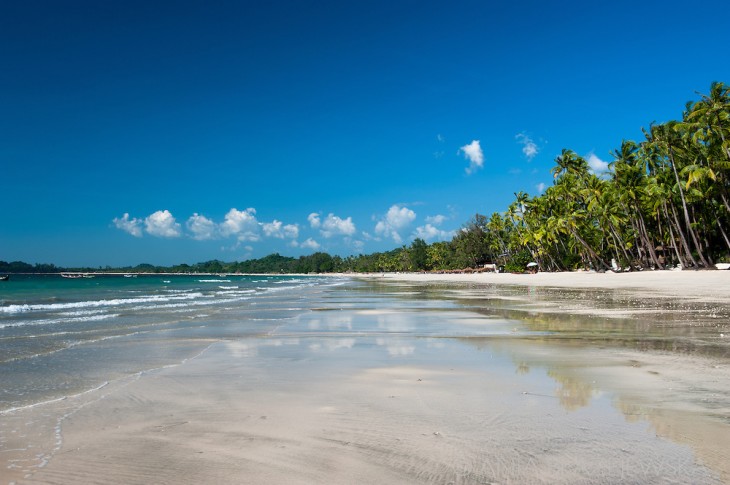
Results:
x,y
63,336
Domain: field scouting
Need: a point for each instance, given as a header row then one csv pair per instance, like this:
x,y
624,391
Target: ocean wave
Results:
x,y
236,292
52,321
285,288
50,401
97,303
81,313
209,301
158,307
229,287
214,281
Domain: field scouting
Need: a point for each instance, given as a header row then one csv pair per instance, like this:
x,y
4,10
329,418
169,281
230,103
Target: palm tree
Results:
x,y
672,189
630,177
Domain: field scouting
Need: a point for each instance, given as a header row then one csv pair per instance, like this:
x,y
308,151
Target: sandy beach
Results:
x,y
409,378
711,284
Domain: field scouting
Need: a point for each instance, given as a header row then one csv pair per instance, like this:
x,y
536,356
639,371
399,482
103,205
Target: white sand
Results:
x,y
233,417
711,285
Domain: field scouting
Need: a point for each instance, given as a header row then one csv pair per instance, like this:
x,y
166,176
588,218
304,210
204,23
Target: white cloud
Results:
x,y
273,229
436,220
540,187
291,231
132,226
429,232
356,245
334,226
440,138
162,224
242,224
473,152
596,164
310,244
529,148
314,220
201,227
280,231
396,219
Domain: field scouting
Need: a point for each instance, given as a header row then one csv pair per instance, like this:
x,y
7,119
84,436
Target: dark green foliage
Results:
x,y
21,267
419,255
517,263
273,263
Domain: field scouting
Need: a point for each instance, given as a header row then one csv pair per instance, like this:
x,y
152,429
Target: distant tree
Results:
x,y
440,255
419,255
470,243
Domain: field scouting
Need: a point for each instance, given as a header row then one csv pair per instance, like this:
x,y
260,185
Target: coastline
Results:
x,y
708,285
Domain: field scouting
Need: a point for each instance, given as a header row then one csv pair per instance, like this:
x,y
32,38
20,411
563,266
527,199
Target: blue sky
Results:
x,y
178,132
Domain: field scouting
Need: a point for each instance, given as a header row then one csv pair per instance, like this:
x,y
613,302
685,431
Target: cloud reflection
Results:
x,y
394,348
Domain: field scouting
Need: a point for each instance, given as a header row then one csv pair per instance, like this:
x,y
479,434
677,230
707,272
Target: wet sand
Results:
x,y
415,379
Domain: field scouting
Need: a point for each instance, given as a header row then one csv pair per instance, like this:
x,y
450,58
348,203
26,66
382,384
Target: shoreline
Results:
x,y
710,285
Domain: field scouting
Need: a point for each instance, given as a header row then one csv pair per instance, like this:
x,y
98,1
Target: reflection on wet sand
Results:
x,y
685,399
590,343
573,393
414,383
663,360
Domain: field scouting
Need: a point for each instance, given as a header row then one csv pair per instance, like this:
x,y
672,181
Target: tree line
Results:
x,y
664,201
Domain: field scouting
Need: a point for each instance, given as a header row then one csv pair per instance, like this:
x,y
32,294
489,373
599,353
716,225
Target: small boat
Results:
x,y
5,277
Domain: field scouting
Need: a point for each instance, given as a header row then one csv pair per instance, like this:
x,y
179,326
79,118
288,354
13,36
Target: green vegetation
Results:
x,y
665,200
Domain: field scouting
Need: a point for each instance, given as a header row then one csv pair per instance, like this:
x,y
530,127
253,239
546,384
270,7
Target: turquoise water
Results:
x,y
61,336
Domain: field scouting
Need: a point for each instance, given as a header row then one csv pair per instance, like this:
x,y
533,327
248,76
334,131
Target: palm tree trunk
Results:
x,y
638,244
671,235
722,231
683,238
621,242
553,263
647,241
591,252
700,246
684,208
616,256
724,199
